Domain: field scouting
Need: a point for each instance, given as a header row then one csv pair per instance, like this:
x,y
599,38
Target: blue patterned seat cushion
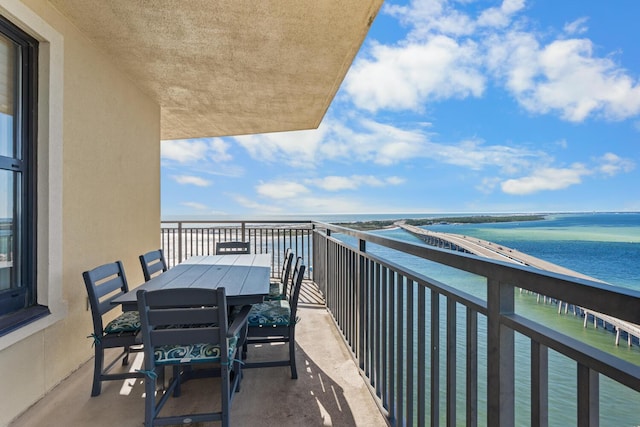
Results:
x,y
270,313
129,321
192,353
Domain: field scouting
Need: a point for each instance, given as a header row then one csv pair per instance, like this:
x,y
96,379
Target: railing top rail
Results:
x,y
230,221
616,301
622,371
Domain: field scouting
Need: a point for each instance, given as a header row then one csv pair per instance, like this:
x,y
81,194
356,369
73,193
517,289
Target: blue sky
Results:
x,y
451,106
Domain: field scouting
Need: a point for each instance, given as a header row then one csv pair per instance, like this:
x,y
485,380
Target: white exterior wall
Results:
x,y
99,197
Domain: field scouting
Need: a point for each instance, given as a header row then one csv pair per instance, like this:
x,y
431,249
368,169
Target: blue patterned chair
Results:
x,y
105,283
277,288
275,322
153,263
187,329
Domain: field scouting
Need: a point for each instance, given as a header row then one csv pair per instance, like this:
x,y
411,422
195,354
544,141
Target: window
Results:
x,y
18,147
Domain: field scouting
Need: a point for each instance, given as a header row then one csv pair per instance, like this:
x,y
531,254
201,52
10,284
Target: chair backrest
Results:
x,y
104,284
290,284
232,248
286,266
153,263
183,317
296,284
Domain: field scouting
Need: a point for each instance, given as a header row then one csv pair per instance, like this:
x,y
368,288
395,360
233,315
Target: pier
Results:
x,y
484,248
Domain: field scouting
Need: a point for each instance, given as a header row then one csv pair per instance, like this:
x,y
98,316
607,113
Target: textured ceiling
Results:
x,y
230,67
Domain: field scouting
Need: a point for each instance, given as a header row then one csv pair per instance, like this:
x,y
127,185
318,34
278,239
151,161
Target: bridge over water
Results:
x,y
484,248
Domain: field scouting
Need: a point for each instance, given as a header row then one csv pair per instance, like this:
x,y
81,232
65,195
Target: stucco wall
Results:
x,y
110,207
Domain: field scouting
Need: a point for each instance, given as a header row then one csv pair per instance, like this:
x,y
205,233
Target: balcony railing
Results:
x,y
432,353
182,239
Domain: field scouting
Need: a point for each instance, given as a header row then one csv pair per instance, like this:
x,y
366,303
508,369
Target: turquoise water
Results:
x,y
605,246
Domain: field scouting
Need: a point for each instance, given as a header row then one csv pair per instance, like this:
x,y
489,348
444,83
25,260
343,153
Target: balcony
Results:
x,y
381,343
328,391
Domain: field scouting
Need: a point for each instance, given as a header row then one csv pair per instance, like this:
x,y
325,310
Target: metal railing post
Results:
x,y
362,278
179,242
500,356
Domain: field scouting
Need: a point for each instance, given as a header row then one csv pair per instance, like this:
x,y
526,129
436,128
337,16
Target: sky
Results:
x,y
450,106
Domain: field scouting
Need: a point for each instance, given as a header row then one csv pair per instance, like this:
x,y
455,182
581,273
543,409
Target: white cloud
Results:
x,y
371,141
487,185
281,189
312,205
362,140
258,208
579,85
327,205
610,164
449,54
546,179
513,57
294,148
563,77
193,180
336,183
407,76
353,182
475,155
195,150
395,180
218,150
184,150
427,16
499,17
195,205
579,26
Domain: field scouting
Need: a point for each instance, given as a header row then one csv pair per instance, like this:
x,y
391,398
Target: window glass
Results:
x,y
7,249
7,96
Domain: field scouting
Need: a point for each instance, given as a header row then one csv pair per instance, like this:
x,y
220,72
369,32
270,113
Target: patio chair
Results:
x,y
277,288
186,328
223,248
275,322
153,264
105,283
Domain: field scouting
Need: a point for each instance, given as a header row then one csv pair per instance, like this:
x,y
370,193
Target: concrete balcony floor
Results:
x,y
329,390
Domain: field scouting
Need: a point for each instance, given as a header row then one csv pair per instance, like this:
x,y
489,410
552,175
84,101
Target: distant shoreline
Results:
x,y
475,219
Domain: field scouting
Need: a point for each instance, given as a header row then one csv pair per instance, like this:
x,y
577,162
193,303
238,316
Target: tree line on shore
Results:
x,y
475,219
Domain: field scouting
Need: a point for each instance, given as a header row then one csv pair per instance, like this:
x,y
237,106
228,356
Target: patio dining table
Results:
x,y
244,277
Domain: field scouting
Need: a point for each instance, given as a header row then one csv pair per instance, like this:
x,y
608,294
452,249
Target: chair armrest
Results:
x,y
239,321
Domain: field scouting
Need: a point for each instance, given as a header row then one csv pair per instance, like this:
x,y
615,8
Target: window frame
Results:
x,y
50,170
24,161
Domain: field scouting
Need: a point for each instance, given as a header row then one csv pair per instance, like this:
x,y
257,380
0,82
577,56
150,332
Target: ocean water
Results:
x,y
605,246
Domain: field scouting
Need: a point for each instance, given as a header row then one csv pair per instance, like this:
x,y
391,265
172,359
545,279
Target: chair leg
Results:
x,y
225,384
292,355
98,364
125,359
149,400
237,372
244,338
177,372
